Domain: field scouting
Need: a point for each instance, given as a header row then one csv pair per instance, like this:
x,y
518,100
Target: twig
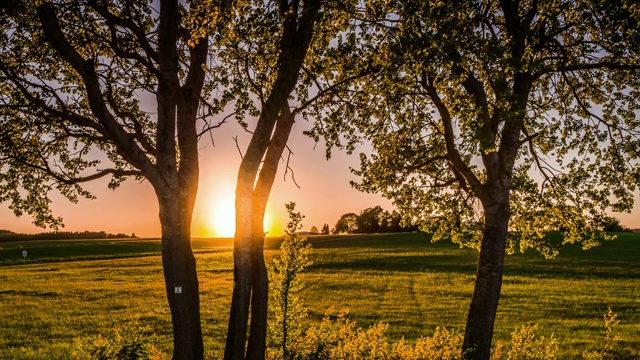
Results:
x,y
288,168
235,138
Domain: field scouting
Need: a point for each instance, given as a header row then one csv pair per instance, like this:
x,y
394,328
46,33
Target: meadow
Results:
x,y
68,291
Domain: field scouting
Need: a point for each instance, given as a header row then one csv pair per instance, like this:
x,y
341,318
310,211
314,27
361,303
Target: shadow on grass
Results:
x,y
402,263
465,265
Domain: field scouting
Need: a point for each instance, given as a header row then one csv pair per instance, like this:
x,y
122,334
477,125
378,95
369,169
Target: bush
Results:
x,y
129,343
340,338
285,306
337,337
525,345
609,349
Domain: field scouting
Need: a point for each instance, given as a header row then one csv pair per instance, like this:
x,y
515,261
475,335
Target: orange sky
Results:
x,y
325,193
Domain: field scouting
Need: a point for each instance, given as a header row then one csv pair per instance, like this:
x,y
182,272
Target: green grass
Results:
x,y
67,250
49,303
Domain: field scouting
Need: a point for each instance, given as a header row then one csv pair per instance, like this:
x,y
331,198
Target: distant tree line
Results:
x,y
378,220
7,235
371,220
610,224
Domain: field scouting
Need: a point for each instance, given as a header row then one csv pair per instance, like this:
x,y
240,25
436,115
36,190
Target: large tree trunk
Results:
x,y
484,302
181,281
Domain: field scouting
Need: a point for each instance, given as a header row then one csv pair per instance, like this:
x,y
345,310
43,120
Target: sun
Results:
x,y
267,222
222,218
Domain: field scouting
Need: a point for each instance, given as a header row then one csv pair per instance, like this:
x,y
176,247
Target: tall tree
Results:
x,y
72,75
491,116
275,54
370,220
348,223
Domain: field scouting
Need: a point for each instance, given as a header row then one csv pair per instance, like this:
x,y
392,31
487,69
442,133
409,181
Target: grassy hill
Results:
x,y
50,304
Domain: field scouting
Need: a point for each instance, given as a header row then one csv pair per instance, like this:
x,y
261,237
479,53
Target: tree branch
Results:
x,y
128,149
460,169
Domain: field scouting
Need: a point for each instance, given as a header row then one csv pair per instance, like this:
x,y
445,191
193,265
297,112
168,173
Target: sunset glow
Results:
x,y
222,219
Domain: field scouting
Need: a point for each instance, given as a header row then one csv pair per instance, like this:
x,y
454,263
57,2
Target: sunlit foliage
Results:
x,y
460,85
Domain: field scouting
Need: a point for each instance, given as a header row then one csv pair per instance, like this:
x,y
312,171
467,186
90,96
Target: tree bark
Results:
x,y
175,185
181,280
296,37
484,302
260,282
256,347
242,271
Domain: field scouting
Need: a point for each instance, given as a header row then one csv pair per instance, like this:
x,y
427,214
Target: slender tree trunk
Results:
x,y
239,315
181,281
256,347
242,271
484,302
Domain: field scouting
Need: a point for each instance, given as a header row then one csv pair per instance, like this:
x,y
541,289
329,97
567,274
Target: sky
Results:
x,y
324,194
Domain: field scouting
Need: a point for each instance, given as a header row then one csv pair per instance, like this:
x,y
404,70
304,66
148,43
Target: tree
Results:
x,y
275,54
348,223
89,64
392,222
370,220
325,229
609,223
314,230
472,98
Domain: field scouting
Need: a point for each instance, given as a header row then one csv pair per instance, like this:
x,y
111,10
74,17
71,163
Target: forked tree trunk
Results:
x,y
181,281
484,302
237,330
260,282
296,37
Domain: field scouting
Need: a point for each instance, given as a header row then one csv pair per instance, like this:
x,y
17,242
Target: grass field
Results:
x,y
70,290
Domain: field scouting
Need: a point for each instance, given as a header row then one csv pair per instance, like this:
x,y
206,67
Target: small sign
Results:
x,y
24,255
178,290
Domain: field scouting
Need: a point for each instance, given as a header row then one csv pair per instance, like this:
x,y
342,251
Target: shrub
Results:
x,y
444,344
525,345
128,343
340,338
286,308
609,348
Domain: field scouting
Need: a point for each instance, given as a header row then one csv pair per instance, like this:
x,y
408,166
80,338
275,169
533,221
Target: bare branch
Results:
x,y
235,138
324,91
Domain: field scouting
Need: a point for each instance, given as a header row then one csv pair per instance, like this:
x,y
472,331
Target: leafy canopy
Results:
x,y
535,99
79,110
